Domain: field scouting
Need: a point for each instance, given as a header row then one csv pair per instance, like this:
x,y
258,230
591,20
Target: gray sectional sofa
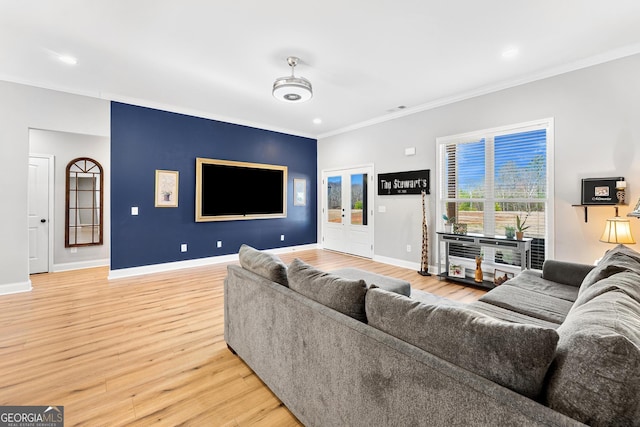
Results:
x,y
556,348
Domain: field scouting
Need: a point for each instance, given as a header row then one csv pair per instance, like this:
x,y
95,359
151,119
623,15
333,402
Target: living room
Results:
x,y
593,103
592,106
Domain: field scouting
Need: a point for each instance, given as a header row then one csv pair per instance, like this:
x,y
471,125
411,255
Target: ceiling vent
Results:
x,y
292,88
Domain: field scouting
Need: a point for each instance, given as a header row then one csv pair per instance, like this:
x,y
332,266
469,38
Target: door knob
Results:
x,y
43,220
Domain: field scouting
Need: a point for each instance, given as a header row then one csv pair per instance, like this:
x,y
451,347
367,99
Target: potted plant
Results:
x,y
520,227
509,231
448,222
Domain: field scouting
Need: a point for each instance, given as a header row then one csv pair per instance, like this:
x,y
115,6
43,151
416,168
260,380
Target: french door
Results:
x,y
347,210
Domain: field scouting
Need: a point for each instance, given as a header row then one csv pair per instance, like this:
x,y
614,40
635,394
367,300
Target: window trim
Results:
x,y
547,123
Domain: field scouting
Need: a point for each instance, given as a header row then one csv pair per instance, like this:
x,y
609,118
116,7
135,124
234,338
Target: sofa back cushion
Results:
x,y
595,377
343,295
263,264
514,355
616,260
625,281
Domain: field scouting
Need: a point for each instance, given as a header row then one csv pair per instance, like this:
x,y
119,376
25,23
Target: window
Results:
x,y
490,177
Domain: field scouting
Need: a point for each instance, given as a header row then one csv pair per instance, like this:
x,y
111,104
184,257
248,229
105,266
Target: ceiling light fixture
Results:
x,y
291,88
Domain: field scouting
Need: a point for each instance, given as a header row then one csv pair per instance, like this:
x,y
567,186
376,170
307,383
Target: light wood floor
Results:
x,y
147,350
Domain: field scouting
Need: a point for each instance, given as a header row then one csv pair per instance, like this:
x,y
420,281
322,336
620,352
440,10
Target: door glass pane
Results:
x,y
359,199
334,199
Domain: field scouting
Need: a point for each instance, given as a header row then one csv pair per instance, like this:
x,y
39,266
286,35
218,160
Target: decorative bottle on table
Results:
x,y
478,276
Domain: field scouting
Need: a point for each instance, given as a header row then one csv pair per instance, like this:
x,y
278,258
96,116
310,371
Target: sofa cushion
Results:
x,y
595,377
508,315
392,284
513,355
343,295
429,298
533,281
616,260
626,281
528,302
263,264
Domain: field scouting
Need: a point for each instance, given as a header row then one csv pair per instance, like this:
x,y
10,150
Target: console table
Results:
x,y
520,247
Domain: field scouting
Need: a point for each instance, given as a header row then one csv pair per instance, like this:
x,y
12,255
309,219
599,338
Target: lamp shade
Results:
x,y
617,230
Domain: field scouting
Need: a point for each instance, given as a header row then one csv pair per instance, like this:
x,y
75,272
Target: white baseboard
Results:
x,y
397,262
169,266
290,249
80,265
200,262
15,288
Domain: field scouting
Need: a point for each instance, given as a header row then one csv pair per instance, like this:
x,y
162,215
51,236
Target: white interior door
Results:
x,y
347,211
38,214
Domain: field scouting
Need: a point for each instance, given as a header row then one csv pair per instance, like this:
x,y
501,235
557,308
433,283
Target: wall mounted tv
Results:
x,y
228,190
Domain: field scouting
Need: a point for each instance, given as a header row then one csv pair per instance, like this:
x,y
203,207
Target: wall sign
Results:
x,y
600,191
411,182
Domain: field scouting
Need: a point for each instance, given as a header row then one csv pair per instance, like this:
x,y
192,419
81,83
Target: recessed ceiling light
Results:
x,y
510,53
68,59
398,108
317,120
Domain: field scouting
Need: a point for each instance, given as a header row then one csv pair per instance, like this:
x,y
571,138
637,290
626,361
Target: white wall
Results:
x,y
66,146
597,134
23,108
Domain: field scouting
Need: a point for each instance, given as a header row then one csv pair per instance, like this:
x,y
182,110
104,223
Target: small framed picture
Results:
x,y
459,228
636,210
500,276
456,270
299,192
166,189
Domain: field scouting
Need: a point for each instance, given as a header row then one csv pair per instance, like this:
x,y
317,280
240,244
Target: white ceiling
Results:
x,y
218,59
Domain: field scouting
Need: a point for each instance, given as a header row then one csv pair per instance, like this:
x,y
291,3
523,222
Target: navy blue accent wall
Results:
x,y
144,139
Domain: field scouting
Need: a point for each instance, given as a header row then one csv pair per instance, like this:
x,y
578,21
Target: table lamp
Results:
x,y
617,230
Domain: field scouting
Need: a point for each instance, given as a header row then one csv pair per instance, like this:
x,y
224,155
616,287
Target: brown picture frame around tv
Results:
x,y
230,190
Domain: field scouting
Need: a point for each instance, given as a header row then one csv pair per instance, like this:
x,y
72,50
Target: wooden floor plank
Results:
x,y
147,350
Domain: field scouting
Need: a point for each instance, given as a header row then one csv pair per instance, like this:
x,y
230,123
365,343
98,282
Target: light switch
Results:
x,y
134,210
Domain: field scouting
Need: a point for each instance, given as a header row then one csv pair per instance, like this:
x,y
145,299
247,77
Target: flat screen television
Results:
x,y
228,190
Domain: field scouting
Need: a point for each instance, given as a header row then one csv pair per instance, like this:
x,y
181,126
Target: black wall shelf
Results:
x,y
586,217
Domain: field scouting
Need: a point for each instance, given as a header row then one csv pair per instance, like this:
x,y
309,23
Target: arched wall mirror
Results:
x,y
84,202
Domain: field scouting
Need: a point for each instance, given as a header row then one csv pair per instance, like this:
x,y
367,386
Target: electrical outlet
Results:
x,y
183,247
282,237
408,248
74,250
219,244
134,210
